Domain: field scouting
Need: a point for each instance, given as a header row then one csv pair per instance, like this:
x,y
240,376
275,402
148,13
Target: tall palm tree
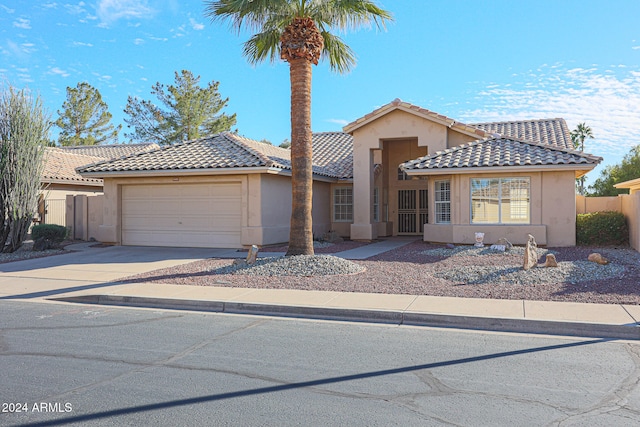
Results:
x,y
578,135
298,32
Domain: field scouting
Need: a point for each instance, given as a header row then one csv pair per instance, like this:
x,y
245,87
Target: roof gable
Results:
x,y
500,152
398,104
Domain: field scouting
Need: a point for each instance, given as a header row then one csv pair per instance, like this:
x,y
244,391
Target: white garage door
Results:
x,y
182,215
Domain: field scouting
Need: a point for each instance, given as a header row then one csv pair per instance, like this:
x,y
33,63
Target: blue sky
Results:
x,y
471,60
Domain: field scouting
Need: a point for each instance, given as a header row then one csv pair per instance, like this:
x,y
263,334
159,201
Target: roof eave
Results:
x,y
579,168
200,172
48,181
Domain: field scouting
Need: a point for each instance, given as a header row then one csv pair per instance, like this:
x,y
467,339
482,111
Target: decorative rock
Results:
x,y
597,258
451,246
504,242
252,255
530,254
240,262
550,261
500,248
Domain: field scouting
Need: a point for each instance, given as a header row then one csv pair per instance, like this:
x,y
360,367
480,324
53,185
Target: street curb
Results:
x,y
545,327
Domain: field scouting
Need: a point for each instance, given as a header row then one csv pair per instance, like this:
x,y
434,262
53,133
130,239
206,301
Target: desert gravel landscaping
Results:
x,y
425,269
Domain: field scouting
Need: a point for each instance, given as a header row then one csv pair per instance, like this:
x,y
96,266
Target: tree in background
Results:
x,y
190,112
627,170
85,119
298,32
24,132
578,135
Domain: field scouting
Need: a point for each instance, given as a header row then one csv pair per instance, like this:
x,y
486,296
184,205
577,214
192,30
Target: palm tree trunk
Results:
x,y
301,229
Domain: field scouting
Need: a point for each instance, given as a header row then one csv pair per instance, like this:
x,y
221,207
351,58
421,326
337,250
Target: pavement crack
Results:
x,y
140,366
616,399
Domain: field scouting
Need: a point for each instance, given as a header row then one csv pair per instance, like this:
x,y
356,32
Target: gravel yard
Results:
x,y
424,269
25,252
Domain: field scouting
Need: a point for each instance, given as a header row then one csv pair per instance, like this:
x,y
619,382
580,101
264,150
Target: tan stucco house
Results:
x,y
399,170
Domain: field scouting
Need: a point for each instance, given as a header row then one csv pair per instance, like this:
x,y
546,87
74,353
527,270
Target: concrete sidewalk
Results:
x,y
80,279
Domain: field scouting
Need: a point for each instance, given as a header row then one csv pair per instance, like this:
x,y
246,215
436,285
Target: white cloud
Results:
x,y
82,44
112,10
59,72
196,25
23,23
76,9
138,41
340,122
6,9
607,101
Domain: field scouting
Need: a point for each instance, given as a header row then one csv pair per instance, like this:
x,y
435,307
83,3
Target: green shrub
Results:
x,y
602,229
51,232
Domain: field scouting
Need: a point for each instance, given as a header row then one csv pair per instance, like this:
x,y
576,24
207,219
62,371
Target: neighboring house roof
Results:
x,y
500,152
632,184
547,131
398,104
222,151
60,167
112,151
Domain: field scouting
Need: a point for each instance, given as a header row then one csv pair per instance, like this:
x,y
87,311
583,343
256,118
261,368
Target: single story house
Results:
x,y
59,177
399,170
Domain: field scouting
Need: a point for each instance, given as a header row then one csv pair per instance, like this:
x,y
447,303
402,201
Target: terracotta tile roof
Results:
x,y
221,151
113,151
334,152
398,104
547,131
501,152
60,167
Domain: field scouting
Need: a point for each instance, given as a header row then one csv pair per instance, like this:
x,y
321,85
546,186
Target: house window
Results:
x,y
343,204
443,202
376,204
500,201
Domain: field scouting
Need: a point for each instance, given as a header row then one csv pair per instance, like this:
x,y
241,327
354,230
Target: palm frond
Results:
x,y
341,57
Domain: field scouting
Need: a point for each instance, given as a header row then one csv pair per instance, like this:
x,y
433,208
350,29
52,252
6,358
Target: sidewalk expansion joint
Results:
x,y
393,317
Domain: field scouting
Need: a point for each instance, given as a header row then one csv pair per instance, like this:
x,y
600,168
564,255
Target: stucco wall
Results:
x,y
552,211
630,207
597,204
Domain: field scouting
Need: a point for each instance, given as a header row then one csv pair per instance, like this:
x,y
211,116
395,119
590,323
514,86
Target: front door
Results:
x,y
413,211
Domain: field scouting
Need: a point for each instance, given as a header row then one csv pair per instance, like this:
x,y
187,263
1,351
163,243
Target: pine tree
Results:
x,y
85,119
188,112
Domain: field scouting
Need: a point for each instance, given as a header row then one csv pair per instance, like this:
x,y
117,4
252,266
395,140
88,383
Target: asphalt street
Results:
x,y
65,364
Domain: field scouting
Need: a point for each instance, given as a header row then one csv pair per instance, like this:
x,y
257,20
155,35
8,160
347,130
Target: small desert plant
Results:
x,y
602,229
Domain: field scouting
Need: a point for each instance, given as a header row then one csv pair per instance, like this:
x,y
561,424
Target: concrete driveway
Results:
x,y
89,268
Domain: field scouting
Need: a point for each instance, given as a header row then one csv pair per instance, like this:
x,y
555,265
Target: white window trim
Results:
x,y
333,204
441,202
500,203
